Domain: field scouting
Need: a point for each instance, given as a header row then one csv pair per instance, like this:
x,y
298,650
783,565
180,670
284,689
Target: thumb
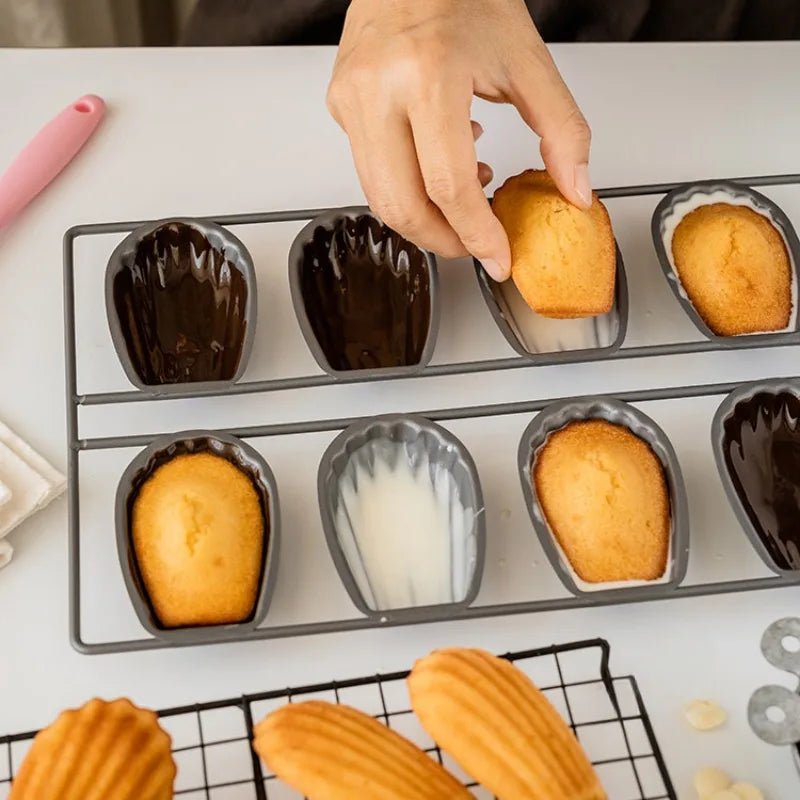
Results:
x,y
545,103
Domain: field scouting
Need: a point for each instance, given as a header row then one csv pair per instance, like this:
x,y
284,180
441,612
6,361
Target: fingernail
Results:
x,y
485,173
583,185
495,269
477,130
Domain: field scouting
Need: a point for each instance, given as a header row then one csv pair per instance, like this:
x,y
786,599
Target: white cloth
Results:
x,y
5,494
28,489
27,484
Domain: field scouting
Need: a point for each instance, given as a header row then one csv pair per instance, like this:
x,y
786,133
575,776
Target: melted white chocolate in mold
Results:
x,y
538,334
408,539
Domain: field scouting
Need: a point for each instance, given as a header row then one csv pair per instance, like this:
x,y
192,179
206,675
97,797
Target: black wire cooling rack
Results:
x,y
211,741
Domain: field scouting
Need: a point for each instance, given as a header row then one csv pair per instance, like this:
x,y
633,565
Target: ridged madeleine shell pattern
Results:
x,y
755,436
181,302
101,751
500,728
366,299
334,752
381,445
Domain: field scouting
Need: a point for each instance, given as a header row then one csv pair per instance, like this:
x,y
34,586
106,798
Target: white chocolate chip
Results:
x,y
705,715
746,791
710,781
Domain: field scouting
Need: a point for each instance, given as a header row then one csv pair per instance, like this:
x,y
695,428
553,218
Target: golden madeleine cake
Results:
x,y
563,258
499,727
605,498
733,265
101,751
198,536
334,752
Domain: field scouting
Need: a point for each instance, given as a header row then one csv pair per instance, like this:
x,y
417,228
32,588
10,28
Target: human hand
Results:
x,y
402,88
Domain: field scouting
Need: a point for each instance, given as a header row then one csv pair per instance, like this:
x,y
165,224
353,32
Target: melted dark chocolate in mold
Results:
x,y
181,306
366,292
762,453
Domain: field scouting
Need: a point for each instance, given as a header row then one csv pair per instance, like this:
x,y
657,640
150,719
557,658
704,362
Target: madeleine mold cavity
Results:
x,y
402,510
556,417
756,442
163,450
365,298
680,202
181,304
536,337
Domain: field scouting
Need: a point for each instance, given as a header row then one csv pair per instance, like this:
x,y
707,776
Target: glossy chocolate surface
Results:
x,y
762,452
181,305
367,295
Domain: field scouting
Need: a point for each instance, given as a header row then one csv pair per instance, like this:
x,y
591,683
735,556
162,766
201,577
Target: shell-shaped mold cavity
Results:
x,y
558,416
403,515
366,299
756,441
181,303
249,461
555,340
681,202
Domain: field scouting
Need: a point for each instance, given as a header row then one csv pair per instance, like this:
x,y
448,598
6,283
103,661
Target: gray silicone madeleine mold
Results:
x,y
685,198
363,295
80,441
556,340
181,303
755,409
159,452
384,441
555,417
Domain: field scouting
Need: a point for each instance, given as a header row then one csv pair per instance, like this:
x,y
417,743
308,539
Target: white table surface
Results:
x,y
220,131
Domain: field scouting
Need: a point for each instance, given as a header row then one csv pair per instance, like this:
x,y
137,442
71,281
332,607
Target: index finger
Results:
x,y
443,139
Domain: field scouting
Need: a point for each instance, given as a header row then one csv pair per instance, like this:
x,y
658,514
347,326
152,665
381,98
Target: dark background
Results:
x,y
320,21
119,23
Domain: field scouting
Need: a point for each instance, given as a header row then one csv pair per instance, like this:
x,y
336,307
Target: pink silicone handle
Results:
x,y
47,154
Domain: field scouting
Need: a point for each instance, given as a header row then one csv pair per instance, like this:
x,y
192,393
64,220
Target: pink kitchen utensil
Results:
x,y
43,158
